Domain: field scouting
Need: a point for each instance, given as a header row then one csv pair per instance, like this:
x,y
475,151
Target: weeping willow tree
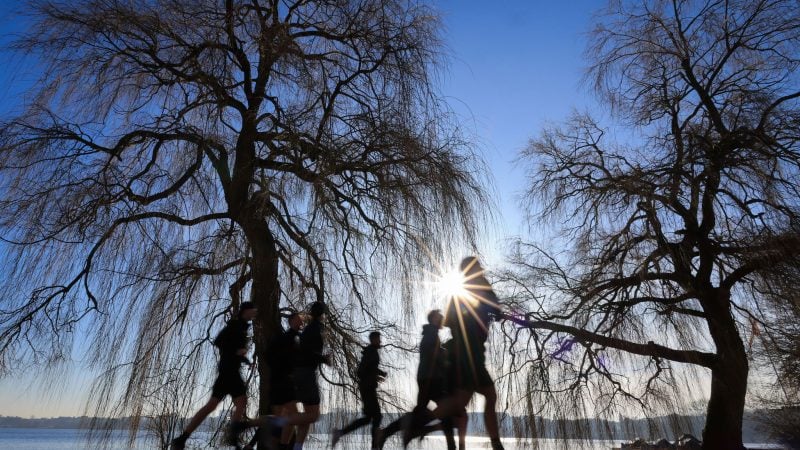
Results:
x,y
672,229
779,350
176,157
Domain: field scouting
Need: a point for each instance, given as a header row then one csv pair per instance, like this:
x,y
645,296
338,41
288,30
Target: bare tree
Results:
x,y
779,350
177,156
675,223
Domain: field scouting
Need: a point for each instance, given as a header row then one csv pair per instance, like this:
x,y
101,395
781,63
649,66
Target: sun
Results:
x,y
451,284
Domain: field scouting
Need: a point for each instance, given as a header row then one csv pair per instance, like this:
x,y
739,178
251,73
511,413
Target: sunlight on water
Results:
x,y
48,439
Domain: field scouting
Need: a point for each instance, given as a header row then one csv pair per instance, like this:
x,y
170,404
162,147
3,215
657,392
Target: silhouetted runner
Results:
x,y
307,362
309,358
369,374
432,381
232,345
469,317
460,418
281,354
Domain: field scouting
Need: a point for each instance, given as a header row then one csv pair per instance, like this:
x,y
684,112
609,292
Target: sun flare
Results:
x,y
451,284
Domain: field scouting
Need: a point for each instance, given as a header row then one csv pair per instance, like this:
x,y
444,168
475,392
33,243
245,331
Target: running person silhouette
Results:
x,y
281,354
369,374
232,345
432,381
469,316
308,358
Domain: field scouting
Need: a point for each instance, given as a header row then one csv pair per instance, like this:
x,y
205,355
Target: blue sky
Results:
x,y
513,69
514,66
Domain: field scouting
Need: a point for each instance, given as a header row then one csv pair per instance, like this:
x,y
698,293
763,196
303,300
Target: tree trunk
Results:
x,y
265,285
725,410
726,407
265,293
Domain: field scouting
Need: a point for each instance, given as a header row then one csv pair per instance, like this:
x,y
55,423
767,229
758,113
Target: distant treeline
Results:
x,y
669,427
79,423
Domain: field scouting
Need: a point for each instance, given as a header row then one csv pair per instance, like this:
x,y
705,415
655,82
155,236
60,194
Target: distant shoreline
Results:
x,y
623,429
67,423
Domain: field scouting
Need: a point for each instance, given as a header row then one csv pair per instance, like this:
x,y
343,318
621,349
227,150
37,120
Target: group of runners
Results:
x,y
448,375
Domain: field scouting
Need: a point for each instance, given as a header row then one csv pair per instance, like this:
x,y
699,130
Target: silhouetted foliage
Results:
x,y
675,223
177,156
779,350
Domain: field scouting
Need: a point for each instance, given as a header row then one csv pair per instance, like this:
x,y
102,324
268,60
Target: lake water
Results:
x,y
62,439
